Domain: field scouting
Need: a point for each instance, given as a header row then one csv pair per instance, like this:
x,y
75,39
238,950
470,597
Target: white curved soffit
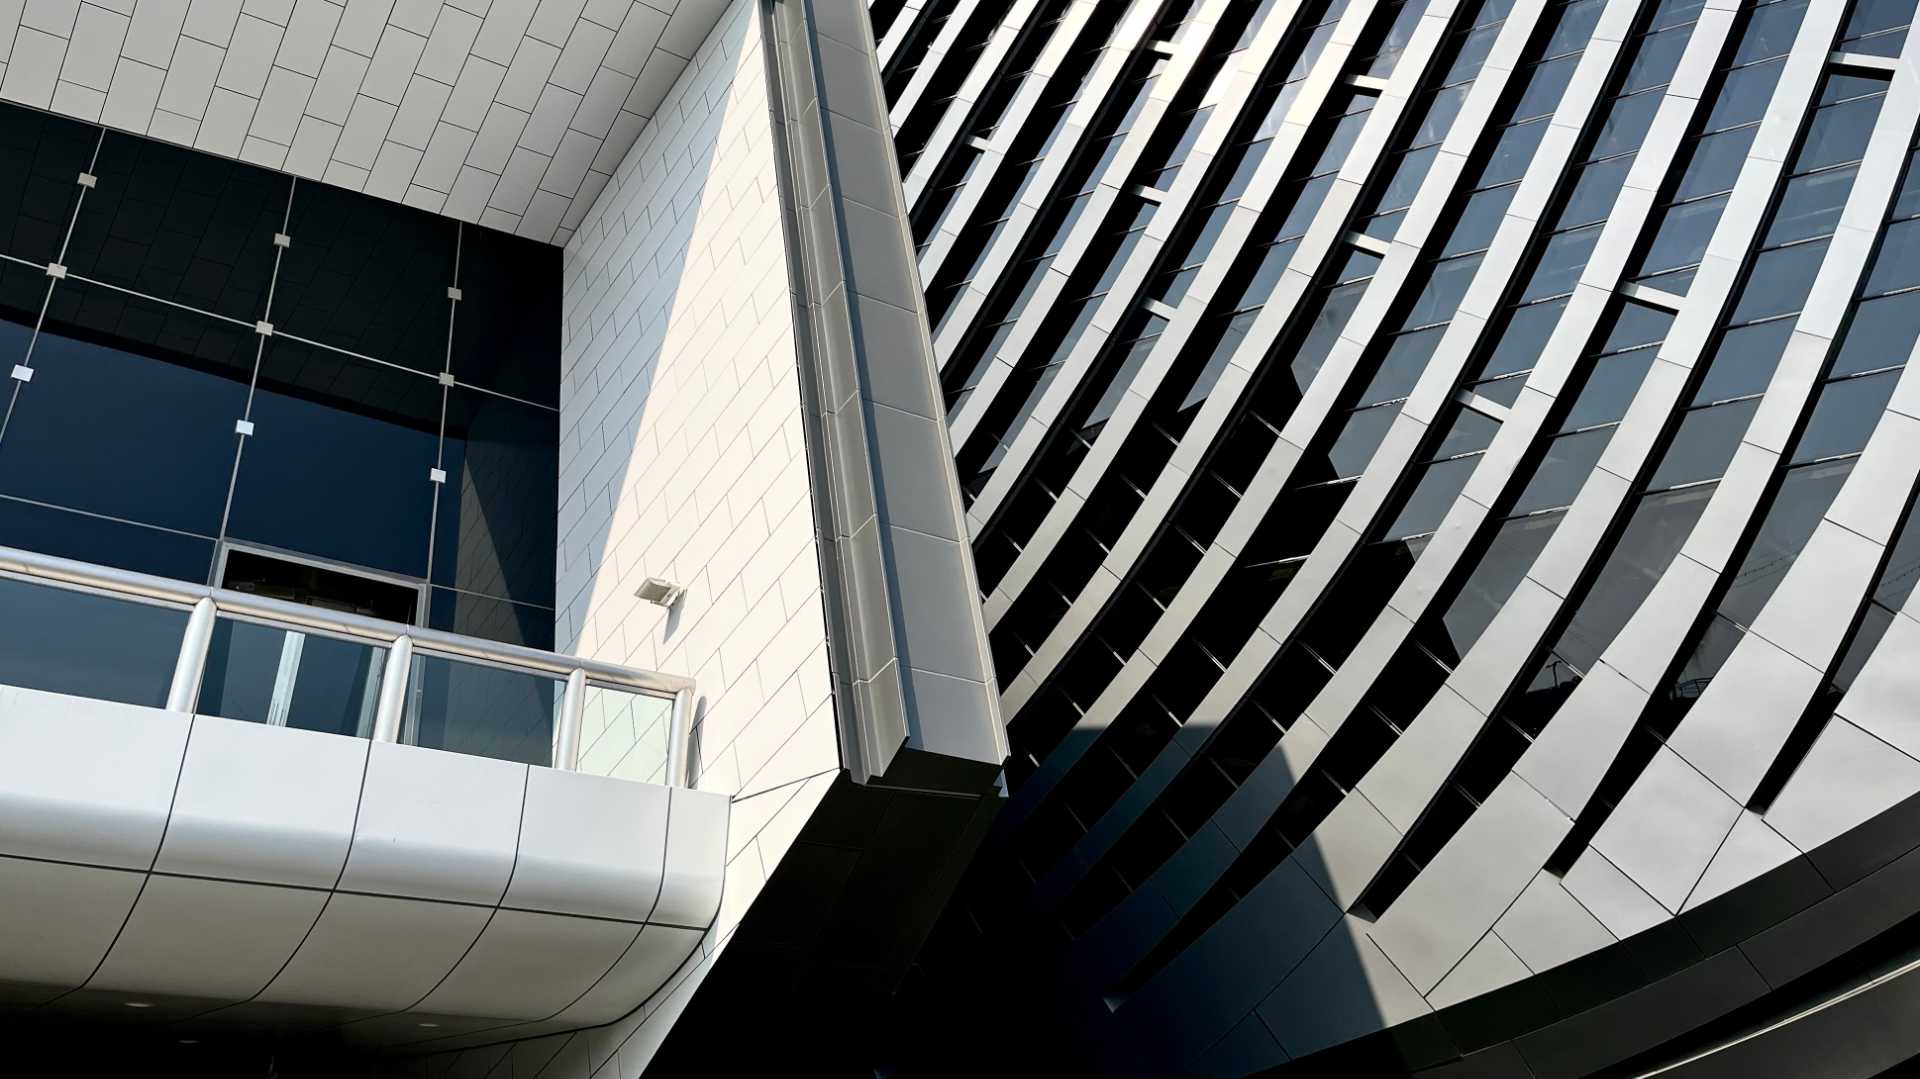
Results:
x,y
234,875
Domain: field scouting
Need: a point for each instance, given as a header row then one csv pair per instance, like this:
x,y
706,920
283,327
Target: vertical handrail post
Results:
x,y
566,734
187,667
393,691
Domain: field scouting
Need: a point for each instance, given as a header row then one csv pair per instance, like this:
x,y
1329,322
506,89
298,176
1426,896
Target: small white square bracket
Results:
x,y
56,271
281,239
445,377
88,180
437,475
264,329
453,292
22,373
243,427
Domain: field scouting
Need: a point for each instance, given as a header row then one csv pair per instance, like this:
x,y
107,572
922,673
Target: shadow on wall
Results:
x,y
642,319
1280,972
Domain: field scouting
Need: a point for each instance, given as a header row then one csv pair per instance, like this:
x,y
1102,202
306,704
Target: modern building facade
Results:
x,y
591,538
464,570
1440,477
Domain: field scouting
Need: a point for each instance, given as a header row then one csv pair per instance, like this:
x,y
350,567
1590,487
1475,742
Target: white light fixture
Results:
x,y
428,1026
138,1004
661,593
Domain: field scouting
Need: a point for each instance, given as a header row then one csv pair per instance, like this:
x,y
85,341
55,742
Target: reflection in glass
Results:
x,y
180,225
625,734
1704,444
286,678
86,433
40,158
338,463
87,645
499,506
481,710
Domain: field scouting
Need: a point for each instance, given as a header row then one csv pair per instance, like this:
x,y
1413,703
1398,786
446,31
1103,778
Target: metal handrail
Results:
x,y
206,602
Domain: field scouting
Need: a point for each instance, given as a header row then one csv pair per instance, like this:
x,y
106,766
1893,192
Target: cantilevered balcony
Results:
x,y
222,810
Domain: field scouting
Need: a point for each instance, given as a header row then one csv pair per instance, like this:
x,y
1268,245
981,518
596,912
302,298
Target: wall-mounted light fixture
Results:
x,y
661,593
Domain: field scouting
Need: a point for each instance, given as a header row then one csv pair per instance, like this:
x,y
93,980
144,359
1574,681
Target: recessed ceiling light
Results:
x,y
138,1004
429,1026
189,1041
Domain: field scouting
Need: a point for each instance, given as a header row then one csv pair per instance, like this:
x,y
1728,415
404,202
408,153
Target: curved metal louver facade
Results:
x,y
1441,474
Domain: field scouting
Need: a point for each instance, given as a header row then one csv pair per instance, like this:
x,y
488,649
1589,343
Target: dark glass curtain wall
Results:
x,y
202,351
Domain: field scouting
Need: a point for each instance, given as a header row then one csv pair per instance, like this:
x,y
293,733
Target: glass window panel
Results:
x,y
1634,325
1873,16
1561,262
1356,265
1770,31
1327,323
482,711
1409,170
1625,127
1572,27
1477,221
1682,236
1744,94
506,328
102,361
1443,106
1568,461
1907,202
104,541
493,619
1609,389
366,275
1779,281
180,225
1544,86
1384,226
1653,536
1494,577
1594,193
285,678
1527,331
1359,436
1446,286
1472,53
625,734
1743,361
1503,391
1844,415
1273,263
1712,163
1398,33
1703,445
1897,264
1803,498
1433,494
1838,133
1345,132
498,508
1400,368
1508,161
87,645
1810,206
41,159
1882,334
339,459
1471,432
1656,59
